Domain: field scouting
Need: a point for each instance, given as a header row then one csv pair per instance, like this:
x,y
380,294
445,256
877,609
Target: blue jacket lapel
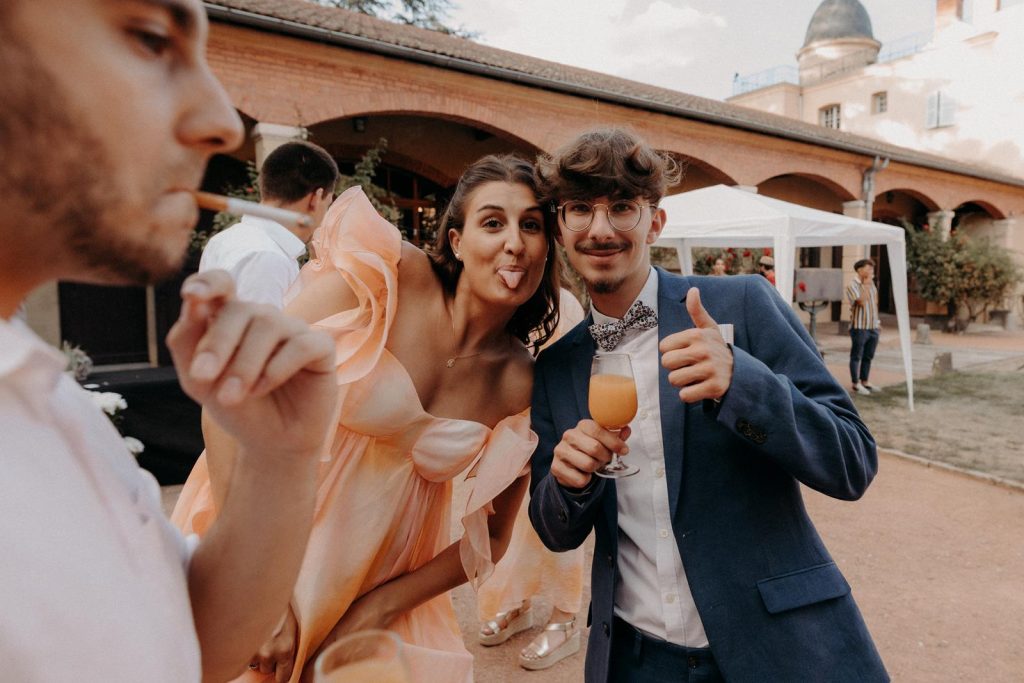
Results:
x,y
672,318
583,352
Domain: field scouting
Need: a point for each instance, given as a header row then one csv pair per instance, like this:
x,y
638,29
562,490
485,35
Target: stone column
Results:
x,y
1009,232
42,313
941,221
857,208
270,136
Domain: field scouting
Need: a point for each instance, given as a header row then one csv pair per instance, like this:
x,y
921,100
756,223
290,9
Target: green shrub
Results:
x,y
963,273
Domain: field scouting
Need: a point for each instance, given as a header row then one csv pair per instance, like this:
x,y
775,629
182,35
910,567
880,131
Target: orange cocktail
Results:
x,y
612,400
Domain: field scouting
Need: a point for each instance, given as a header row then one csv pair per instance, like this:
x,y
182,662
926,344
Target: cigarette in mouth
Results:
x,y
216,202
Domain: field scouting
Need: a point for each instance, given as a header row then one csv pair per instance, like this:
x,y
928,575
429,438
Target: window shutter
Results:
x,y
932,119
947,110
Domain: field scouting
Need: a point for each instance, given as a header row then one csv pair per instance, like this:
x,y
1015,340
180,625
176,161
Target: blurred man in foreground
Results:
x,y
110,115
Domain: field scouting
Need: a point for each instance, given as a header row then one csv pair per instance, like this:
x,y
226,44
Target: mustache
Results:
x,y
595,246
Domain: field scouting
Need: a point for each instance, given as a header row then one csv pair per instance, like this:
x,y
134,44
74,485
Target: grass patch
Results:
x,y
965,419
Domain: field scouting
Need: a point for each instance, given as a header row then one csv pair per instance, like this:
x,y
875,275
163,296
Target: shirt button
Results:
x,y
670,598
663,533
643,414
659,472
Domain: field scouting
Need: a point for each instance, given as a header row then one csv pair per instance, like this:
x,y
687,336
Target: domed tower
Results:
x,y
838,39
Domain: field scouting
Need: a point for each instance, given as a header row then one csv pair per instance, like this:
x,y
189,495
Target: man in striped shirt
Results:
x,y
864,324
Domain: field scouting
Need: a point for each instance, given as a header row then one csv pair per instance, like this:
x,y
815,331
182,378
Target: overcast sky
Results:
x,y
690,45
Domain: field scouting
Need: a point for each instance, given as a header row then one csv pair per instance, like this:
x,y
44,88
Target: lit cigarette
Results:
x,y
216,202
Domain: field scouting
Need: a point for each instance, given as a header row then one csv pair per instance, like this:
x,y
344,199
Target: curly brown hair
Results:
x,y
606,162
534,322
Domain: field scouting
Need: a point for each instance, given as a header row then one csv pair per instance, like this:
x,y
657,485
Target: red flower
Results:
x,y
802,286
768,252
746,253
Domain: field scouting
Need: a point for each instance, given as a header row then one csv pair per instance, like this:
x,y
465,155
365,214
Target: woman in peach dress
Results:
x,y
435,369
529,570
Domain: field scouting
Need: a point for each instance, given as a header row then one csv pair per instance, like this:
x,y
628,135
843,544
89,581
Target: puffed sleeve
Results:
x,y
355,241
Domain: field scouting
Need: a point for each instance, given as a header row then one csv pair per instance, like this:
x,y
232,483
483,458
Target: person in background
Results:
x,y
719,267
865,324
766,267
260,254
110,114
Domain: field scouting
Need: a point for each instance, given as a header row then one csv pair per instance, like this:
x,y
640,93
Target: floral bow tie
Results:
x,y
608,335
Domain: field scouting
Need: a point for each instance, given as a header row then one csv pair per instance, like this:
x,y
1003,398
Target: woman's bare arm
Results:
x,y
327,294
379,607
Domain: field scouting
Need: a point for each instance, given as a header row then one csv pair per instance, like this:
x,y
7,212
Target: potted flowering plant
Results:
x,y
111,403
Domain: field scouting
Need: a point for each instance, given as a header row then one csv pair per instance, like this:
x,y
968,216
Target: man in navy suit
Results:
x,y
706,565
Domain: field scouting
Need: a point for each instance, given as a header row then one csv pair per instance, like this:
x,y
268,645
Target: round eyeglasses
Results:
x,y
623,214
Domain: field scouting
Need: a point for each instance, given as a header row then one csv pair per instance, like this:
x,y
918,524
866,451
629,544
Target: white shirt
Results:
x,y
652,593
92,575
261,257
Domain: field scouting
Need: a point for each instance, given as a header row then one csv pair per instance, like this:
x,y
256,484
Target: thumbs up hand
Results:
x,y
698,360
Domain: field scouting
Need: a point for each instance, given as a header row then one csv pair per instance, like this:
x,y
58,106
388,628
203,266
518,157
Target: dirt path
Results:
x,y
936,562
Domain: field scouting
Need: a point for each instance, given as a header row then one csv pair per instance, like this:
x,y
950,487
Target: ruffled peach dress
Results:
x,y
528,569
385,495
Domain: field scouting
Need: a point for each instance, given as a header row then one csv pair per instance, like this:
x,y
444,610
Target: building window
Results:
x,y
880,103
829,116
941,110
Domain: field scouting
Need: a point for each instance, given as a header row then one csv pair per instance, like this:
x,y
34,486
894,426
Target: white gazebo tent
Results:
x,y
722,216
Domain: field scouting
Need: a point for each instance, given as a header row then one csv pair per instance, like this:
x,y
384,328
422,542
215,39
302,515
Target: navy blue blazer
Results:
x,y
773,603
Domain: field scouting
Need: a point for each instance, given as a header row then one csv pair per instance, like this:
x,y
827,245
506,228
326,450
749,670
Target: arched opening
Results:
x,y
423,158
806,189
898,206
697,173
816,192
976,219
906,209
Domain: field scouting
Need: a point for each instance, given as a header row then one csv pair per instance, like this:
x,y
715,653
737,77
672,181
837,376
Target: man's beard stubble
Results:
x,y
601,285
604,286
58,179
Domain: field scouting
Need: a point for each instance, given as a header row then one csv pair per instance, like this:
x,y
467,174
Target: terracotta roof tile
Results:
x,y
563,77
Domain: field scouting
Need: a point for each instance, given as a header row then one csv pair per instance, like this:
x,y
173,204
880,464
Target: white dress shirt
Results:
x,y
652,593
92,575
261,257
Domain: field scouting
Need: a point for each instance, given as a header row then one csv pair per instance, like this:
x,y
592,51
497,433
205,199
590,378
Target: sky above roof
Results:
x,y
695,46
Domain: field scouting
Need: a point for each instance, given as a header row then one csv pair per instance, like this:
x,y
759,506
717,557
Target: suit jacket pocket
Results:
x,y
803,587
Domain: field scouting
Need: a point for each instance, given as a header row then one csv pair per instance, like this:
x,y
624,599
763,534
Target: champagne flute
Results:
x,y
371,656
612,402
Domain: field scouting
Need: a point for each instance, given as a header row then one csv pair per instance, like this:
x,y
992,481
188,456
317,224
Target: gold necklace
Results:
x,y
450,363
